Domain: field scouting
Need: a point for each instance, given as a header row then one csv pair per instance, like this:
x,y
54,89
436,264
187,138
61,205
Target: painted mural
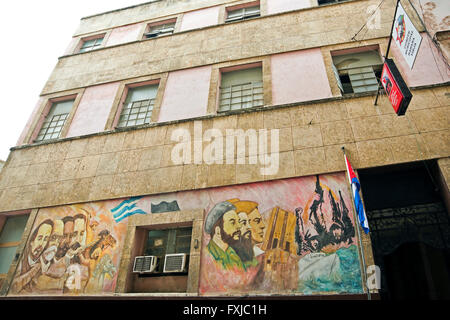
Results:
x,y
71,250
293,235
289,236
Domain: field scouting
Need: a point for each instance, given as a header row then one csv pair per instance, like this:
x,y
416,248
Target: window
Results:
x,y
321,2
138,106
162,242
358,72
241,89
91,44
55,120
10,236
160,30
243,13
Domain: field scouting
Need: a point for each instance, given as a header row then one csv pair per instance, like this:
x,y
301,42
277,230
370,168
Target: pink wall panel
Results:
x,y
200,18
428,67
93,110
186,94
124,34
299,76
29,122
276,6
71,47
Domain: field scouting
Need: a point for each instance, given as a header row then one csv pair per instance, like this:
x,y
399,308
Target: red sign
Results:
x,y
395,87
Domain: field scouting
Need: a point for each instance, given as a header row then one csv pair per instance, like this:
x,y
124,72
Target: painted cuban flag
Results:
x,y
126,208
356,198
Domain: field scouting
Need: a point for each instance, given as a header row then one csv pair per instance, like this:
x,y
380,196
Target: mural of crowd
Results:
x,y
294,235
71,250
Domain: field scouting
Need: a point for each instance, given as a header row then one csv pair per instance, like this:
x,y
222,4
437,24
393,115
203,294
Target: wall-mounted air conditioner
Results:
x,y
145,264
175,262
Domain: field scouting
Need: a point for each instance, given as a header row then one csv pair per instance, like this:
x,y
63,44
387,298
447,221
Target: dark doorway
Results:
x,y
410,230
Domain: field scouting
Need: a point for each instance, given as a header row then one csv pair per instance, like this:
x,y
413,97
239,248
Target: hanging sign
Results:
x,y
395,87
406,36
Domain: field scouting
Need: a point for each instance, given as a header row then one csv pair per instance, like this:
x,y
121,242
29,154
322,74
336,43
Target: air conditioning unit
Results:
x,y
175,262
145,264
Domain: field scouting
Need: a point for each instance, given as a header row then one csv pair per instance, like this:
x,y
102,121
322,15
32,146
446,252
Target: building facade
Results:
x,y
194,149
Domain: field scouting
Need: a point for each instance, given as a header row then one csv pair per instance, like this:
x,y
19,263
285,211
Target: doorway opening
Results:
x,y
409,229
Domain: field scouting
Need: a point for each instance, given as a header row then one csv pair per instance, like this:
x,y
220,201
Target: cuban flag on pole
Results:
x,y
127,208
356,198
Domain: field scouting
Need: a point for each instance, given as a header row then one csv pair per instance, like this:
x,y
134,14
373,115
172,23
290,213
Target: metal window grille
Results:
x,y
51,129
136,113
362,79
241,96
89,45
243,13
160,30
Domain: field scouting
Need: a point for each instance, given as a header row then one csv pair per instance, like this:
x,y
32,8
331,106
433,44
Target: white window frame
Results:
x,y
98,41
160,29
54,121
241,95
136,108
362,77
243,13
15,244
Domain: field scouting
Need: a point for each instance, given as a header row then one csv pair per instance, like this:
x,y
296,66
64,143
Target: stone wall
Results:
x,y
297,30
120,164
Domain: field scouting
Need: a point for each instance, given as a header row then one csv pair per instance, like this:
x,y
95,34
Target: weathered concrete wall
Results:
x,y
226,42
122,164
143,12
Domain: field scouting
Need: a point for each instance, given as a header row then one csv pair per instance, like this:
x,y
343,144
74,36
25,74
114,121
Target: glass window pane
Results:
x,y
60,108
6,257
141,93
13,228
88,43
157,242
239,77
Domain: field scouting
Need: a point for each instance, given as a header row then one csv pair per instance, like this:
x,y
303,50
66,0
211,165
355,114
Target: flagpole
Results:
x,y
355,218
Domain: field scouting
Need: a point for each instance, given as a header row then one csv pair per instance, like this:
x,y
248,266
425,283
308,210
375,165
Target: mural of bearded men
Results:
x,y
53,266
246,247
222,224
31,263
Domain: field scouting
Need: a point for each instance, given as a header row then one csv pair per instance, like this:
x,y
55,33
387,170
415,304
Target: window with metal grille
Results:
x,y
243,13
92,44
160,30
138,106
55,121
241,89
358,72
